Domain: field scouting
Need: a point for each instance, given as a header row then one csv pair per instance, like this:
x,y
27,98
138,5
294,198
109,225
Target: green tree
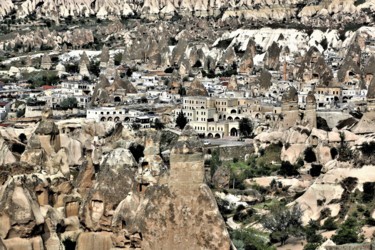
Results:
x,y
94,68
181,120
283,222
69,103
182,91
348,232
215,161
20,113
244,239
288,169
118,59
135,126
329,224
312,236
245,127
158,125
345,153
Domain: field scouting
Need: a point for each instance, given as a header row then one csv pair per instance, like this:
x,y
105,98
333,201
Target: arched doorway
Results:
x,y
233,132
117,99
217,136
102,119
233,111
110,119
237,118
210,135
230,118
117,119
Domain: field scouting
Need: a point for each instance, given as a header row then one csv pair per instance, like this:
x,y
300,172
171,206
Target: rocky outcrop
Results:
x,y
181,222
317,13
46,62
272,57
111,201
196,89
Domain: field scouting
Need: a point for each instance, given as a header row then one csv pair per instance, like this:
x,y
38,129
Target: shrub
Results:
x,y
348,232
118,59
245,127
368,191
214,162
20,113
345,153
135,126
329,224
158,125
311,232
181,120
311,246
249,239
283,222
69,103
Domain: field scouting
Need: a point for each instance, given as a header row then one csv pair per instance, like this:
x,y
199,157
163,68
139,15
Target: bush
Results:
x,y
311,246
245,127
348,232
249,239
368,192
40,78
215,161
158,125
311,235
283,222
135,126
345,153
329,224
20,113
69,103
181,120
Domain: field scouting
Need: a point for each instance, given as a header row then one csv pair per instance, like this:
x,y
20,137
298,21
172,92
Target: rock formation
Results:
x,y
112,201
180,211
317,13
46,62
104,57
196,89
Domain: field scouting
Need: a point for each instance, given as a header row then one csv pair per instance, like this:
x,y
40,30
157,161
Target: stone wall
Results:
x,y
229,152
365,246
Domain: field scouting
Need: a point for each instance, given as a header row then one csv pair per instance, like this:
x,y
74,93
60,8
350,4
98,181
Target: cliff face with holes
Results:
x,y
310,13
82,185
